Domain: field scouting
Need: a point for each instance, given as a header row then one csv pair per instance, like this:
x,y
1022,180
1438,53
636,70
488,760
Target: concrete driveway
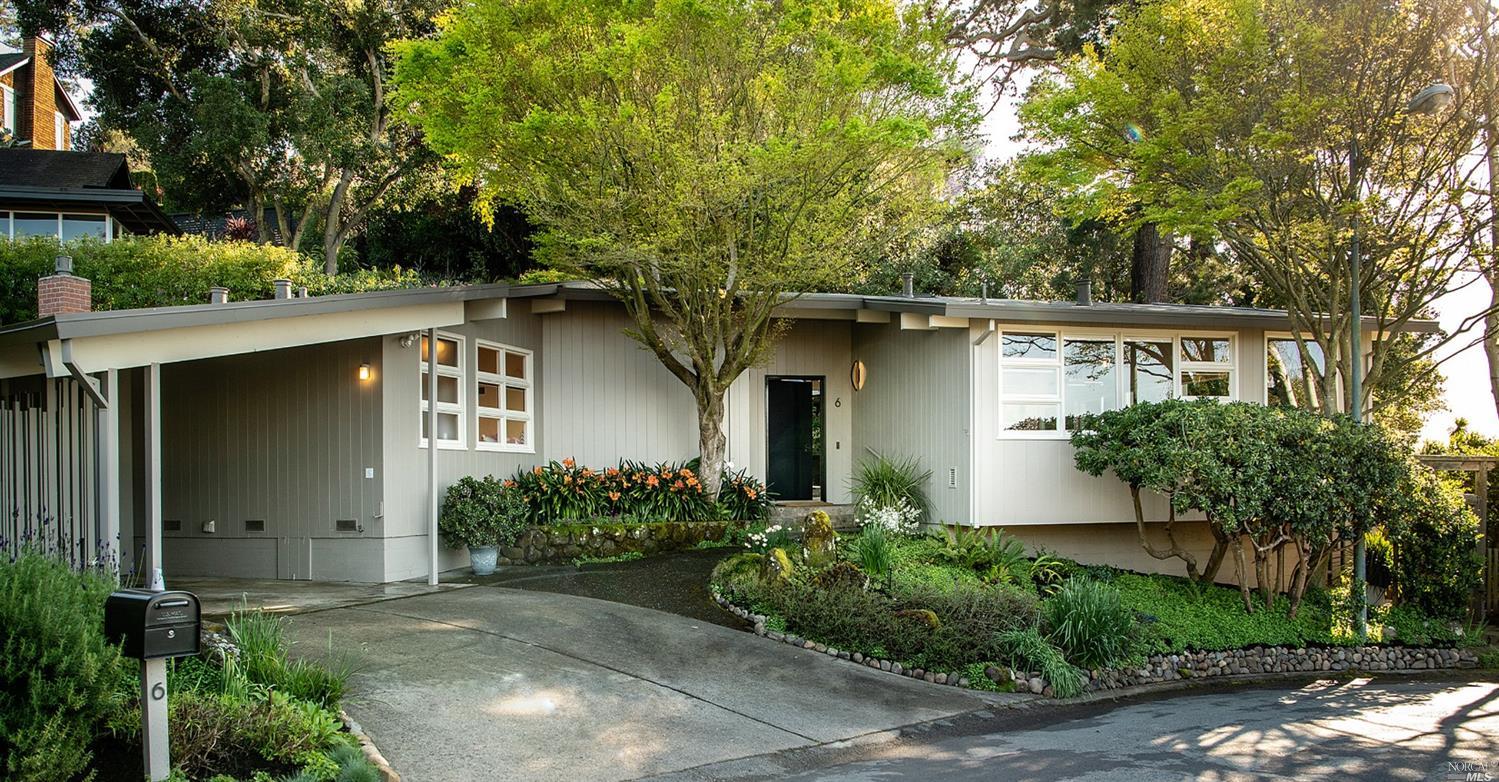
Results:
x,y
497,684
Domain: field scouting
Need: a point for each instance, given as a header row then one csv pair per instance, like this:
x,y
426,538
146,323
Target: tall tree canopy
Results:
x,y
700,159
273,104
1235,119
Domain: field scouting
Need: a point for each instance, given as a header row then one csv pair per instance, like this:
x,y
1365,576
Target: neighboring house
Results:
x,y
288,438
38,110
47,188
71,195
217,226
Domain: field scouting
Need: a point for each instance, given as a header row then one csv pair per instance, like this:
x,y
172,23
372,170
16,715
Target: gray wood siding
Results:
x,y
283,437
405,482
915,403
809,347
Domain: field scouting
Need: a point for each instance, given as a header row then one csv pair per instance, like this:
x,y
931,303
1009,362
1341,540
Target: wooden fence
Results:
x,y
1487,600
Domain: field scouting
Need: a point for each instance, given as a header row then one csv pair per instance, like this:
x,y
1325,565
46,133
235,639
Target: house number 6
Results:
x,y
158,691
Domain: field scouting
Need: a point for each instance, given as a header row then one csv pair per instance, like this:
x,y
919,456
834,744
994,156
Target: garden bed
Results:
x,y
972,610
563,543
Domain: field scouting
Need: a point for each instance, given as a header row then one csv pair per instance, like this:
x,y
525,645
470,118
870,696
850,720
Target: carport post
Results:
x,y
108,466
151,568
432,456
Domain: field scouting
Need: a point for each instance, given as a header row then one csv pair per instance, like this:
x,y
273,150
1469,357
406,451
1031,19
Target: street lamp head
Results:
x,y
1431,100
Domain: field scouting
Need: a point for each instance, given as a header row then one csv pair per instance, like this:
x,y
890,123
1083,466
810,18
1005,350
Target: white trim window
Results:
x,y
1208,367
504,397
450,391
1030,386
1049,379
59,131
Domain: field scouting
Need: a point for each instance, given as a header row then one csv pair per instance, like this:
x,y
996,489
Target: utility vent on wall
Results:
x,y
952,477
171,525
346,525
254,525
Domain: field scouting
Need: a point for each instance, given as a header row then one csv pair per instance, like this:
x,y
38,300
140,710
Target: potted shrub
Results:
x,y
482,515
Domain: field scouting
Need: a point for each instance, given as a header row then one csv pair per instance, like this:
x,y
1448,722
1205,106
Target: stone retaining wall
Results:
x,y
564,543
1162,668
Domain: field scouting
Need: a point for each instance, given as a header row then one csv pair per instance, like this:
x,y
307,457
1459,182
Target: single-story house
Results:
x,y
289,438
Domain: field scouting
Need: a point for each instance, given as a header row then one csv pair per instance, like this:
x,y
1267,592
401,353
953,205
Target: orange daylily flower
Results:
x,y
537,471
653,481
614,496
568,462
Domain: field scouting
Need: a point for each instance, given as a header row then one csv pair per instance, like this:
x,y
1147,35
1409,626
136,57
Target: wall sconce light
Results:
x,y
407,340
857,375
364,371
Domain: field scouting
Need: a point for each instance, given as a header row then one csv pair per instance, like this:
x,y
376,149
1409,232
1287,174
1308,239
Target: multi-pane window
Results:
x,y
65,227
450,415
1293,375
1031,393
1207,367
1050,380
504,398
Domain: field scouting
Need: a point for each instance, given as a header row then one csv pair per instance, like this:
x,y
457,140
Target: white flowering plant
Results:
x,y
898,518
773,536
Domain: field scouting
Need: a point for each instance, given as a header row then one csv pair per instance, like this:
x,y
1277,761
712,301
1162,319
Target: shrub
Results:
x,y
159,271
481,512
969,620
564,491
997,556
1089,623
1027,650
58,676
889,482
1434,537
848,618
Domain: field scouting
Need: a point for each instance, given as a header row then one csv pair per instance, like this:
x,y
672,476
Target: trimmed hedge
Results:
x,y
160,271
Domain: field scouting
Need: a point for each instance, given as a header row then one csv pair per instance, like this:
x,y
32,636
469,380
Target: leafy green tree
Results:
x,y
1233,120
275,105
701,161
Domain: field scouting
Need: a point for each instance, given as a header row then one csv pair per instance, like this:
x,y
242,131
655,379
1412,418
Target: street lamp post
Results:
x,y
1428,101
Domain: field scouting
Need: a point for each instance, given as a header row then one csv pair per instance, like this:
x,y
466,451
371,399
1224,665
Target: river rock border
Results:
x,y
1162,668
563,543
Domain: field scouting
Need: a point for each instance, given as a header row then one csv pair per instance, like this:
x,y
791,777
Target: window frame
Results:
x,y
8,109
504,382
459,409
1278,336
1121,369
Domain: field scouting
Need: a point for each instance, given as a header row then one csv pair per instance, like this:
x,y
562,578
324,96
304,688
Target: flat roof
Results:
x,y
110,322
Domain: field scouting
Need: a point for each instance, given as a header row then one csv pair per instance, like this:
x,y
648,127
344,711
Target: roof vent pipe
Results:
x,y
1085,293
908,285
283,288
218,295
63,264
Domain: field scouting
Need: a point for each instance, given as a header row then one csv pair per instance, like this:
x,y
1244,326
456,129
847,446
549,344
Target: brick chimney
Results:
x,y
62,292
36,96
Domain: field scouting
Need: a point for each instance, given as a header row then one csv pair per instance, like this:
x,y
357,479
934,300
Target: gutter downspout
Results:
x,y
432,456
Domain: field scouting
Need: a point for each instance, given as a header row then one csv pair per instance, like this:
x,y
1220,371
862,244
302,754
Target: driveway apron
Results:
x,y
494,683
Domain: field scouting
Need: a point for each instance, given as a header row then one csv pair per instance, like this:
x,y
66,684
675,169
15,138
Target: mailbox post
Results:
x,y
154,627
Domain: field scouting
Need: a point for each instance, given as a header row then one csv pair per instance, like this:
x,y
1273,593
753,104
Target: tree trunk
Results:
x,y
1491,271
1221,541
711,441
1241,573
333,223
1150,265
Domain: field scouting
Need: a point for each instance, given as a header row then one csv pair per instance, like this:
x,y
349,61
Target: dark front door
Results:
x,y
794,444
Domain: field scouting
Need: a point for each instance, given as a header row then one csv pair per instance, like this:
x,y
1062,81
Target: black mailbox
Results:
x,y
153,625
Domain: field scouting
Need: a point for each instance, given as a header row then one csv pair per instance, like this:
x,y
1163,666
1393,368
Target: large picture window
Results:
x,y
504,398
450,410
1050,380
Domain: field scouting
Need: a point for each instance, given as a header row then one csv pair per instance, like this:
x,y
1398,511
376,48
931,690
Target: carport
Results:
x,y
107,417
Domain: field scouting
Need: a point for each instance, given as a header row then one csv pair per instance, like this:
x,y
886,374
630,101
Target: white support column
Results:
x,y
107,474
432,456
151,568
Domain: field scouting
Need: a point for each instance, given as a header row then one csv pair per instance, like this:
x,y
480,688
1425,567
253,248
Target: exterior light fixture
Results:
x,y
857,375
1431,100
364,371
